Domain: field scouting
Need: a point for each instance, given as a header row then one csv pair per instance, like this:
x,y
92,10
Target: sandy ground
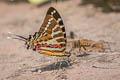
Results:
x,y
87,22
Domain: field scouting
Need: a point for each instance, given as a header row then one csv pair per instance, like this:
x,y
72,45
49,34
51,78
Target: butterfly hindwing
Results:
x,y
52,36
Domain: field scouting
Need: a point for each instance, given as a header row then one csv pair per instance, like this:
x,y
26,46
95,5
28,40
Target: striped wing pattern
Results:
x,y
51,38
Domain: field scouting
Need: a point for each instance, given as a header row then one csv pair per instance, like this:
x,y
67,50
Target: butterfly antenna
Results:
x,y
15,36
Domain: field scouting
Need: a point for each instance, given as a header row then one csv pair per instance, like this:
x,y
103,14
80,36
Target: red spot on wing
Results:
x,y
45,45
37,47
54,46
59,46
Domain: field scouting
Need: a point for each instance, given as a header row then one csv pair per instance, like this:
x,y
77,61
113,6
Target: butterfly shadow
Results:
x,y
54,66
83,55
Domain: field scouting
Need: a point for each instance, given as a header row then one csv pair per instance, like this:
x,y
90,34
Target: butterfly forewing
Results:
x,y
52,34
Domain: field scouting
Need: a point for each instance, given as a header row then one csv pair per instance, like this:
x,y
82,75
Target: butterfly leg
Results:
x,y
83,50
72,50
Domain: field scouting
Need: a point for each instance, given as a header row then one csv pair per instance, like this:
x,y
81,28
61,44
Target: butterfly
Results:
x,y
51,37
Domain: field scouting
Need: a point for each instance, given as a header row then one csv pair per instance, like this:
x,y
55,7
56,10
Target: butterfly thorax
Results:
x,y
32,41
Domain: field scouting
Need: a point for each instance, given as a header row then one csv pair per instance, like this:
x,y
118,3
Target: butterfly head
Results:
x,y
31,41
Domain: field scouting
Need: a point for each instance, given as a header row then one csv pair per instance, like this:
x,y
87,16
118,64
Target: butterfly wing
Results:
x,y
52,34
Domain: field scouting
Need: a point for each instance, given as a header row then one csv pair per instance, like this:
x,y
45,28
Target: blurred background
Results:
x,y
97,20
